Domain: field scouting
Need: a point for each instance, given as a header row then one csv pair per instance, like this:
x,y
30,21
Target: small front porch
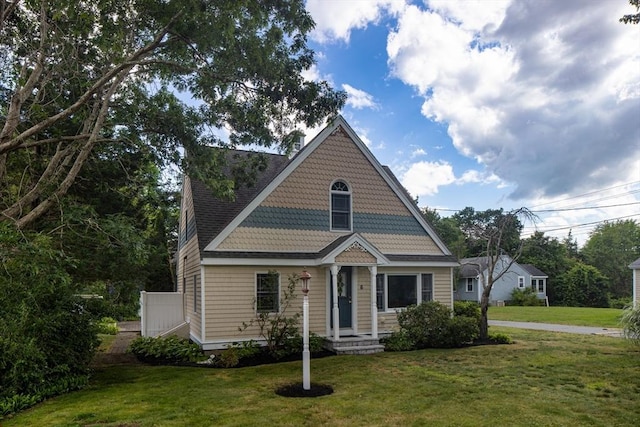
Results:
x,y
354,344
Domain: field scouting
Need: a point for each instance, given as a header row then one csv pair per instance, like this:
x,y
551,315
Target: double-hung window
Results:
x,y
267,292
469,284
521,282
340,206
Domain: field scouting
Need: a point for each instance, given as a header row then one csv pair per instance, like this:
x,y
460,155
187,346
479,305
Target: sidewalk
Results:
x,y
586,330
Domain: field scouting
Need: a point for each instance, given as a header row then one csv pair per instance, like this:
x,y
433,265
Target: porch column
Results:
x,y
373,271
335,310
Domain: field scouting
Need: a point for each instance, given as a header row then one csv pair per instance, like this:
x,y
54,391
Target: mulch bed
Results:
x,y
296,390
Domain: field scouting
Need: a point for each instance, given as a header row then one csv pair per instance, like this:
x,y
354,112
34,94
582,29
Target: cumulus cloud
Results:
x,y
335,20
424,178
546,95
358,99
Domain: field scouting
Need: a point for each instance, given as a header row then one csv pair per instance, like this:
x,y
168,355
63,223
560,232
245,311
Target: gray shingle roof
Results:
x,y
635,264
213,214
533,270
471,267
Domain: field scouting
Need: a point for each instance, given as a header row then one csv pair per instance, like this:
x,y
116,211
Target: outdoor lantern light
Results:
x,y
305,281
306,369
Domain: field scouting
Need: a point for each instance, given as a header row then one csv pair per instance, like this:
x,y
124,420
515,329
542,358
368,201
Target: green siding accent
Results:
x,y
317,219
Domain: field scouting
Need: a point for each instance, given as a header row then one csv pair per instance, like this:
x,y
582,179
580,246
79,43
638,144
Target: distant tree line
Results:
x,y
596,275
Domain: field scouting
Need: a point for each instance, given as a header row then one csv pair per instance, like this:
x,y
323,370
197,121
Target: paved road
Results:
x,y
587,330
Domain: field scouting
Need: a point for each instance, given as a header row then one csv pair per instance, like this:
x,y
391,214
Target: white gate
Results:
x,y
160,311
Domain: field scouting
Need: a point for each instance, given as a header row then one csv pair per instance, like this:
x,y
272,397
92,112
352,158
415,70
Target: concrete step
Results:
x,y
360,349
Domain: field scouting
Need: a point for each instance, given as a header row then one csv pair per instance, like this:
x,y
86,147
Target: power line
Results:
x,y
585,208
581,225
588,194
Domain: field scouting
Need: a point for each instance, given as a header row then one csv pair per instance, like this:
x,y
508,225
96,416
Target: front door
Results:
x,y
344,297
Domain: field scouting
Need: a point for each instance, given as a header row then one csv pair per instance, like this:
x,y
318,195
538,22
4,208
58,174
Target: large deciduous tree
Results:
x,y
632,18
78,74
549,255
492,234
611,247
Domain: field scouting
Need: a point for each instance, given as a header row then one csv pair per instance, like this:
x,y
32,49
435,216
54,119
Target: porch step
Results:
x,y
360,349
354,345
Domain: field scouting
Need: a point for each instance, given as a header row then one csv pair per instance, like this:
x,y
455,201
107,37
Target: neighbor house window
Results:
x,y
340,206
521,282
427,287
401,291
537,285
267,292
469,284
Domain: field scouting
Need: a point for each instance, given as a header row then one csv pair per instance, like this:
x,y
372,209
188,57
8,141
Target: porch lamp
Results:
x,y
306,369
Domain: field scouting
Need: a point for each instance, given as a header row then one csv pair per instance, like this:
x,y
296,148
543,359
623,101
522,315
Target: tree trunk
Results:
x,y
484,319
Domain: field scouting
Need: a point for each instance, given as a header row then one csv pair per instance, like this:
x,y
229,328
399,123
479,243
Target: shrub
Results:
x,y
621,303
467,309
294,345
631,324
524,297
46,339
425,324
431,324
461,330
277,328
169,350
500,338
398,341
107,326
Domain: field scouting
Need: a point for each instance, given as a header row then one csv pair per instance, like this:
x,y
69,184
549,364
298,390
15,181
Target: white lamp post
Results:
x,y
306,369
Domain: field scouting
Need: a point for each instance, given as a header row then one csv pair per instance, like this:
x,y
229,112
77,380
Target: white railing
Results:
x,y
160,311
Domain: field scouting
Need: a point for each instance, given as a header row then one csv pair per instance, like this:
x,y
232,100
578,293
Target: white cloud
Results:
x,y
424,178
543,96
418,152
335,19
358,99
477,177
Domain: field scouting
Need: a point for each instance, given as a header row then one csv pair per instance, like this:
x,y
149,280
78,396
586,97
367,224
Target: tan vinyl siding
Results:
x,y
363,292
337,158
186,271
279,240
230,298
403,244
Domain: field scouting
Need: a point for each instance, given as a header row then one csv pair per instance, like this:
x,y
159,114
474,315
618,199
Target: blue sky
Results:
x,y
494,103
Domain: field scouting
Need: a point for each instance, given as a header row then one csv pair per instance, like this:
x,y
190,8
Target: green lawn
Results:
x,y
579,316
543,379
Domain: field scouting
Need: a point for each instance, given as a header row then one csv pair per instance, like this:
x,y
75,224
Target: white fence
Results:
x,y
160,311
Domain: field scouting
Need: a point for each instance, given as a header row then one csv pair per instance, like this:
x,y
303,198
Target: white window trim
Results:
x,y
255,292
469,282
521,284
350,193
418,276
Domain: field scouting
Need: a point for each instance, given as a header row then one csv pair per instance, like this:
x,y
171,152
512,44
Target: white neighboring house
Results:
x,y
519,276
635,267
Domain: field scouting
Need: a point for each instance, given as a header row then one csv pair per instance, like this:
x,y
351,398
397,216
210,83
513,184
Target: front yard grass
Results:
x,y
579,316
543,379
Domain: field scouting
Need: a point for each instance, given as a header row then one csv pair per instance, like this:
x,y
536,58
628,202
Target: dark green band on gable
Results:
x,y
318,220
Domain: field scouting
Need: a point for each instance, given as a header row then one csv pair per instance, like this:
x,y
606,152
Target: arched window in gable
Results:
x,y
340,206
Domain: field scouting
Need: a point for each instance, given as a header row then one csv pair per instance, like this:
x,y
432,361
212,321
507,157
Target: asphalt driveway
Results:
x,y
586,330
